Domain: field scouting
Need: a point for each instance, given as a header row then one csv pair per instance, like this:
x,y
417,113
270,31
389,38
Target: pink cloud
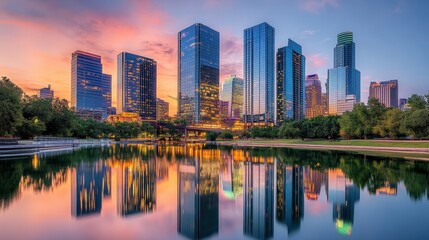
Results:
x,y
318,5
316,60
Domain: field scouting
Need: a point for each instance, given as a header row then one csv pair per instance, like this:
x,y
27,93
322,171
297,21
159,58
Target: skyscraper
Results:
x,y
87,84
107,92
46,92
313,96
385,92
290,83
198,75
162,108
137,85
343,79
402,103
259,74
232,92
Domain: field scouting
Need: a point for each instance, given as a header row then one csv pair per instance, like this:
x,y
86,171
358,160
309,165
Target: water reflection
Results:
x,y
265,193
290,196
198,194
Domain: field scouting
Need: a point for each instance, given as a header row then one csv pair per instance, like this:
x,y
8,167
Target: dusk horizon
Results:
x,y
39,37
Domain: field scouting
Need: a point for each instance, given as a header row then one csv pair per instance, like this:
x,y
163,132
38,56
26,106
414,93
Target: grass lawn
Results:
x,y
369,143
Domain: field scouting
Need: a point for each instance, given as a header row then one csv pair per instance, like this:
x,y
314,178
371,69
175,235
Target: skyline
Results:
x,y
380,32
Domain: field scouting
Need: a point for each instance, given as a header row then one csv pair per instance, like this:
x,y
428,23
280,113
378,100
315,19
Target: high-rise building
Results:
x,y
107,92
223,109
313,97
137,85
88,86
46,92
198,75
232,92
385,92
343,80
290,83
162,109
325,103
259,74
402,103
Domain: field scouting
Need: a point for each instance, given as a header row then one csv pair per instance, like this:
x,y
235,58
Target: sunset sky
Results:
x,y
37,37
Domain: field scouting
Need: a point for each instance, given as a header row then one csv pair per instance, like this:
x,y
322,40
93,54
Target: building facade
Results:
x,y
259,74
385,92
313,97
290,83
137,77
343,79
198,74
88,86
162,109
232,92
46,93
403,103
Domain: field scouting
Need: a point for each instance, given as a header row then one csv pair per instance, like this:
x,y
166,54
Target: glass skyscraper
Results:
x,y
46,92
232,92
198,75
88,86
107,91
137,85
313,96
259,74
290,83
343,79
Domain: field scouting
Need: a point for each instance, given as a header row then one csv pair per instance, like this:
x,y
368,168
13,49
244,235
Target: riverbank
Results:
x,y
390,148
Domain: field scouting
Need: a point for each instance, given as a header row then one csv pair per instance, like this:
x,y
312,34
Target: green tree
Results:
x,y
211,136
418,101
416,122
226,135
391,124
31,128
10,107
289,130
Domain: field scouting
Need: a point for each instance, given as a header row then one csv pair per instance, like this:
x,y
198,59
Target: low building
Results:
x,y
124,117
47,93
96,115
162,109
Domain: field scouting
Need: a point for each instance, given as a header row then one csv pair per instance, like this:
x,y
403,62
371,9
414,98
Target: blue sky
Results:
x,y
37,37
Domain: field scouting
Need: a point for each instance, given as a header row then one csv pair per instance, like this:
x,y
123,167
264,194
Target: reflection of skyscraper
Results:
x,y
313,180
198,198
107,181
86,189
136,187
290,196
258,199
232,177
343,194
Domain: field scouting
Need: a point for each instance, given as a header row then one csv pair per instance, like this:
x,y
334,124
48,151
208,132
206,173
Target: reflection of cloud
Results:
x,y
317,5
399,6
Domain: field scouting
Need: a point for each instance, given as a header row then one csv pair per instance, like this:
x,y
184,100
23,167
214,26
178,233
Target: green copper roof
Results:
x,y
344,37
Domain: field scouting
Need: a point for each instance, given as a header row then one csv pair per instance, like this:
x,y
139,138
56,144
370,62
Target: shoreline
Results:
x,y
401,151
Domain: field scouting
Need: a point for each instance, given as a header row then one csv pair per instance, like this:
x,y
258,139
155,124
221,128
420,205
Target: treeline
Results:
x,y
371,120
28,116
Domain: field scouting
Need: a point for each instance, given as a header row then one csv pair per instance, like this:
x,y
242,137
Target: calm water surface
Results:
x,y
177,192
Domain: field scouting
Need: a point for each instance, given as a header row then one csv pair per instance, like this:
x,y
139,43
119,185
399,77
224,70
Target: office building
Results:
x,y
232,93
88,85
223,109
198,74
343,80
162,109
290,83
403,103
46,93
137,85
259,74
385,92
313,97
